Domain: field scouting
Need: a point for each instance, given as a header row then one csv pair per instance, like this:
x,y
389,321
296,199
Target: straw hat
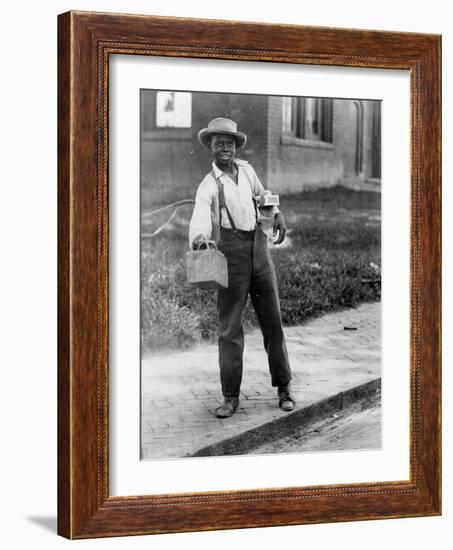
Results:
x,y
222,126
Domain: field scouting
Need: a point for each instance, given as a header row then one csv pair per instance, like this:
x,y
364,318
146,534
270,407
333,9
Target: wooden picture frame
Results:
x,y
85,42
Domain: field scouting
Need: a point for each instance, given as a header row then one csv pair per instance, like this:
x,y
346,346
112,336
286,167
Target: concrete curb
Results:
x,y
249,440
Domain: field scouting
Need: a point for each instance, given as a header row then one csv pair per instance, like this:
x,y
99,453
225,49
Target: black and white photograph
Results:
x,y
260,272
225,288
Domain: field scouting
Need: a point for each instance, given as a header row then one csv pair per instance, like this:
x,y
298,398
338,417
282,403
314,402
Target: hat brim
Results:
x,y
204,136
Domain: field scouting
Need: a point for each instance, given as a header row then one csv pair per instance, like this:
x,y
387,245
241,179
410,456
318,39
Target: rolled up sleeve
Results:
x,y
200,223
258,189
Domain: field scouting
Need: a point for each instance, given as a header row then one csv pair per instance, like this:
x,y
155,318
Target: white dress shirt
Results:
x,y
238,198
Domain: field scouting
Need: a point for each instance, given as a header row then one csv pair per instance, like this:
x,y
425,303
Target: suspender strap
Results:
x,y
222,203
256,207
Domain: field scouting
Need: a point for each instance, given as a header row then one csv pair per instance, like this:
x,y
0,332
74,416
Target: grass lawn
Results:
x,y
332,254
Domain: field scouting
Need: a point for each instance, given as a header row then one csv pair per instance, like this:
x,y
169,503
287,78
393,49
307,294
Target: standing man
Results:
x,y
225,210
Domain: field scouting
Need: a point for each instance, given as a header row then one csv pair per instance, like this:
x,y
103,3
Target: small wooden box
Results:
x,y
267,200
207,269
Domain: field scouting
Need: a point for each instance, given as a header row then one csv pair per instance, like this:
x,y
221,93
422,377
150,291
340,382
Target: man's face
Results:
x,y
223,148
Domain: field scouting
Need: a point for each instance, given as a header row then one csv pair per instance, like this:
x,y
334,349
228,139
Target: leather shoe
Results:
x,y
228,407
286,400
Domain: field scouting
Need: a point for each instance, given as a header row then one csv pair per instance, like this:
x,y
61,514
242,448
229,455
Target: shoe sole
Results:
x,y
292,407
225,415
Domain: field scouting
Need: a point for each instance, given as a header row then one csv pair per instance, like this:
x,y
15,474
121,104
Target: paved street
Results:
x,y
181,390
358,426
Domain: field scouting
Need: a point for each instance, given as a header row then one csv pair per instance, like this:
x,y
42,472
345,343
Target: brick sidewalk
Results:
x,y
181,390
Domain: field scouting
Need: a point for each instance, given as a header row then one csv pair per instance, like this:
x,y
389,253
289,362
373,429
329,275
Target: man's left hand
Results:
x,y
280,226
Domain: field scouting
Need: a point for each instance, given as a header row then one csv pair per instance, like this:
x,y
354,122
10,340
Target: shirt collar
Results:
x,y
217,171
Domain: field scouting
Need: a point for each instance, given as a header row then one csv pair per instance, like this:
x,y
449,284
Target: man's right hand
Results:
x,y
199,242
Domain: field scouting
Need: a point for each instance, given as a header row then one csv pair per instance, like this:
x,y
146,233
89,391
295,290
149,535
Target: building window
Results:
x,y
376,140
173,110
358,114
288,115
308,118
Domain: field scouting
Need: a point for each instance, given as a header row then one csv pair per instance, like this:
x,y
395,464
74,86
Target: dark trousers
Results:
x,y
250,271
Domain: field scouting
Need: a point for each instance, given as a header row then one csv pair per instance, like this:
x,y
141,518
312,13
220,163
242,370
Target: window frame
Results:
x,y
297,134
150,130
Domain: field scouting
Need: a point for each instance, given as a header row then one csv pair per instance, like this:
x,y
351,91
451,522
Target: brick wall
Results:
x,y
172,166
294,167
173,162
352,136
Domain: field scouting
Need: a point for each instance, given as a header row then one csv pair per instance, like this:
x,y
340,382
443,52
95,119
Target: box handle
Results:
x,y
208,243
